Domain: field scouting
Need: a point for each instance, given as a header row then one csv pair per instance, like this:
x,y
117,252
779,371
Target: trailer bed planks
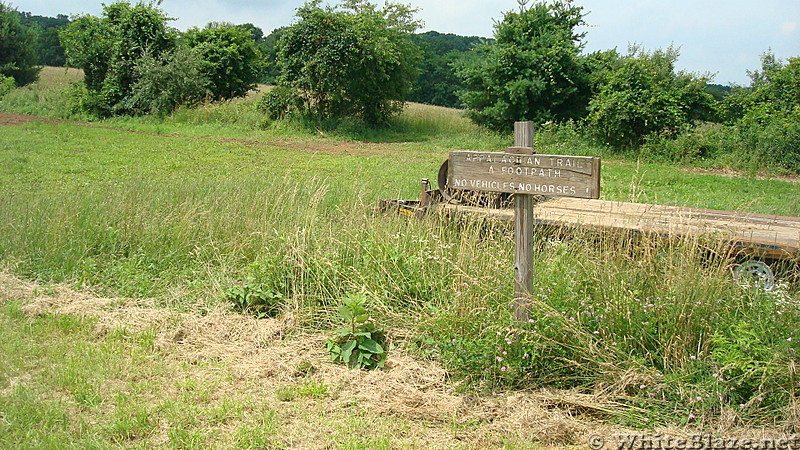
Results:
x,y
758,235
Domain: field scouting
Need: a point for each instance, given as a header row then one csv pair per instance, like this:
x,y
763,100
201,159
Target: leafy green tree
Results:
x,y
269,48
17,47
769,110
49,49
532,71
109,48
437,83
773,88
350,60
646,95
256,33
777,85
163,84
233,62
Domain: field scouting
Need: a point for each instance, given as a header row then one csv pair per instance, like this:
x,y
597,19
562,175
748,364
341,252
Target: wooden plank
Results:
x,y
763,235
549,175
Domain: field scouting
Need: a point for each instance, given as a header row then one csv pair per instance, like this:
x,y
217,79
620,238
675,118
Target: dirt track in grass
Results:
x,y
331,147
306,145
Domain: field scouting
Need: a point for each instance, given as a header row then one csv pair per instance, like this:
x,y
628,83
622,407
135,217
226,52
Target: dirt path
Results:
x,y
18,119
308,145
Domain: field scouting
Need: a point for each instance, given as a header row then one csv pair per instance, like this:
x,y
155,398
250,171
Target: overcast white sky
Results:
x,y
719,37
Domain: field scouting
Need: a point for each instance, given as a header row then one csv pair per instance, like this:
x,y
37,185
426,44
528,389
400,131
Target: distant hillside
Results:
x,y
437,83
51,53
719,91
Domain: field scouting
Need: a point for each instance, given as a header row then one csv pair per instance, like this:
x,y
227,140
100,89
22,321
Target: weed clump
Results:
x,y
361,344
254,299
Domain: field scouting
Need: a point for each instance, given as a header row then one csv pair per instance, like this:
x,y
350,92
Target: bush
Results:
x,y
7,84
232,61
645,95
706,141
18,47
351,61
109,50
773,137
163,84
281,102
532,71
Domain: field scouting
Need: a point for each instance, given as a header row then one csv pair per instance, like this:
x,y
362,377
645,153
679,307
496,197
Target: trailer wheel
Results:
x,y
756,273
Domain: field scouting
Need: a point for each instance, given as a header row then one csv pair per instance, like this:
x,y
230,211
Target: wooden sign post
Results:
x,y
525,174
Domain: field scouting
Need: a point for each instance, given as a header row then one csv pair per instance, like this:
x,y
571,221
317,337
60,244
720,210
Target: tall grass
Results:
x,y
657,325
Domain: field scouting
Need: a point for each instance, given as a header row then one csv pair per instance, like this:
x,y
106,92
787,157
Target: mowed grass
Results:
x,y
64,385
183,208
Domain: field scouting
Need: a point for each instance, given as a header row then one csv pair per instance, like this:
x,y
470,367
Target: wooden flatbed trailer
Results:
x,y
758,239
758,235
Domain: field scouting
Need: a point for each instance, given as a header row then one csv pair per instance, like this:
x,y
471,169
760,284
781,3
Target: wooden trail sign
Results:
x,y
522,172
552,175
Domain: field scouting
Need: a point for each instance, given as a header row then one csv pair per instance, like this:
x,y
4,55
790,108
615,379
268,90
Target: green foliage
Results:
x,y
49,49
281,102
749,368
361,344
354,60
163,84
254,299
233,62
718,91
645,95
269,48
762,126
532,71
437,83
772,137
17,47
109,49
703,143
667,331
7,84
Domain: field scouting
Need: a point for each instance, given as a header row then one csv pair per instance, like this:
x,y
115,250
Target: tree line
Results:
x,y
436,84
355,59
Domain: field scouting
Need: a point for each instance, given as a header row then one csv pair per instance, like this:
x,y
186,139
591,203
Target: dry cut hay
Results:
x,y
269,352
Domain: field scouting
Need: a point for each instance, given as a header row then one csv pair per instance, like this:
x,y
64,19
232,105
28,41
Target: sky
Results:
x,y
715,37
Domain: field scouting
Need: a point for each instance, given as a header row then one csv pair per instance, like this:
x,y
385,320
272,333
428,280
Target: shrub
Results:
x,y
645,95
109,50
354,60
163,84
232,61
18,48
706,141
280,102
772,137
7,84
532,71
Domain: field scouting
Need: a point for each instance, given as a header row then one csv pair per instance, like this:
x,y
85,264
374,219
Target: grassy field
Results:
x,y
181,210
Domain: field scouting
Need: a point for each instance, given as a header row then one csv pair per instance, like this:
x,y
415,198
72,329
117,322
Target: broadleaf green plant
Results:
x,y
254,299
361,344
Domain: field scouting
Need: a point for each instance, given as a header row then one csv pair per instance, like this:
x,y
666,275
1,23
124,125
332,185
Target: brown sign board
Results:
x,y
534,174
